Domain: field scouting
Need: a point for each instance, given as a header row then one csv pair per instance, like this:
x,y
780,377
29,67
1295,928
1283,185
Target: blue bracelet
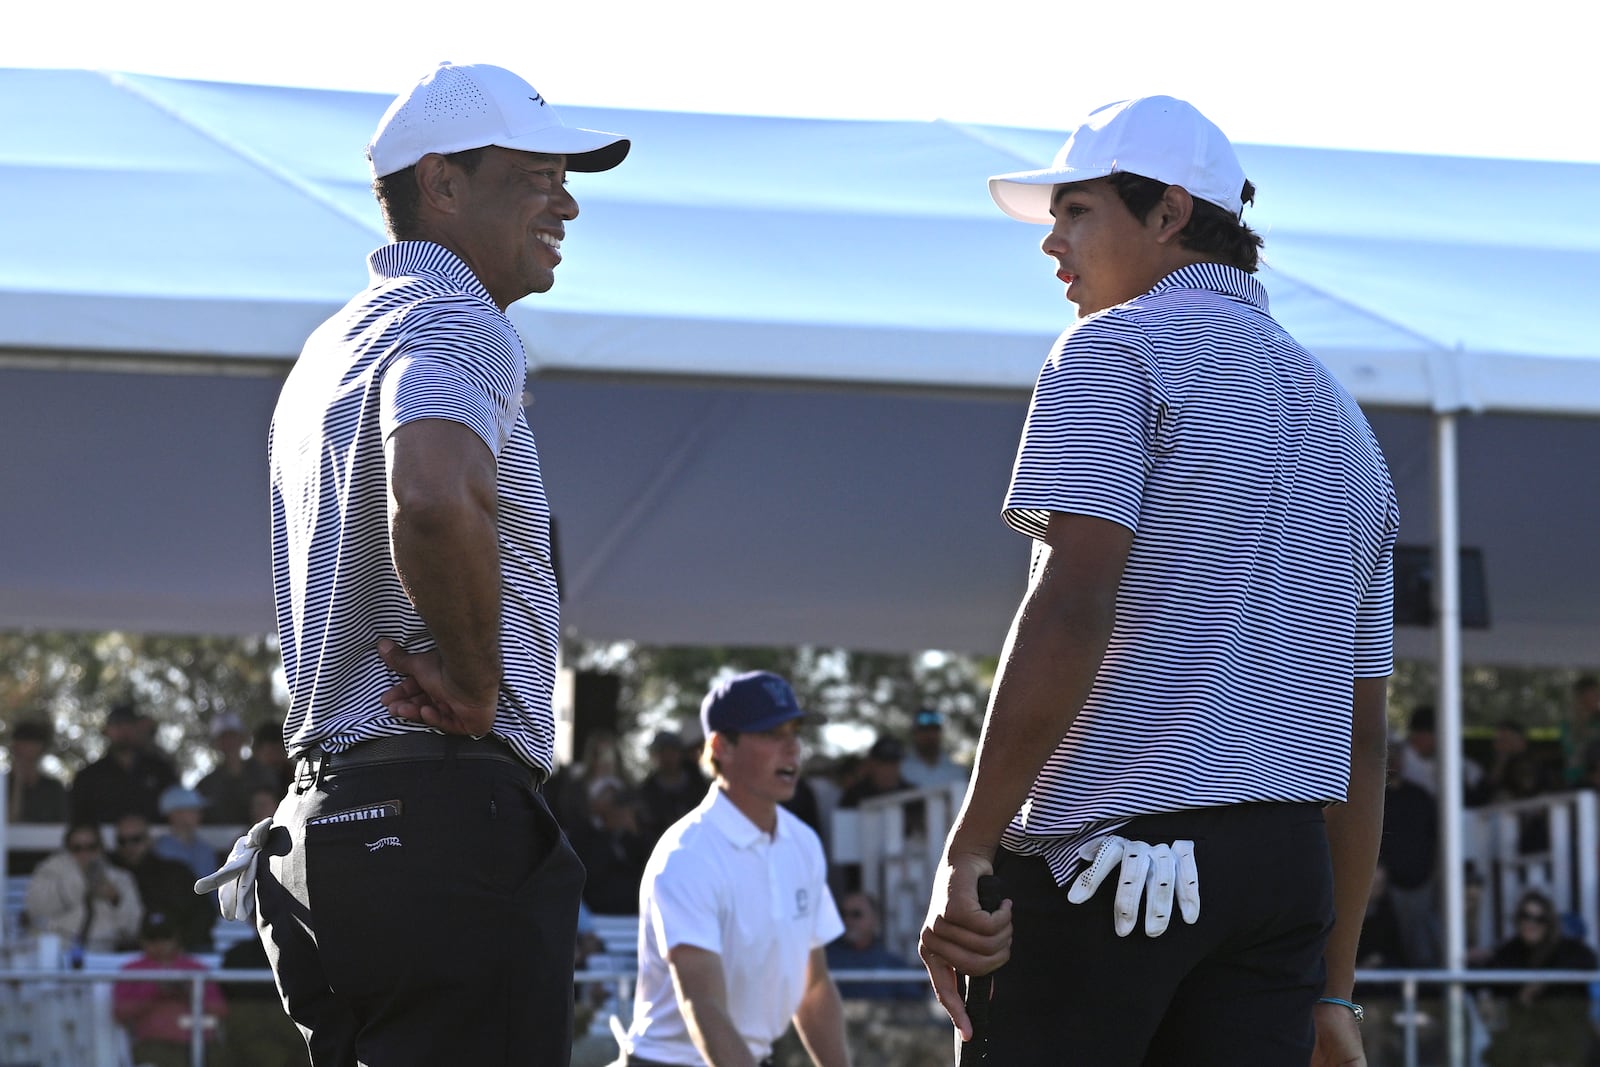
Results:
x,y
1355,1009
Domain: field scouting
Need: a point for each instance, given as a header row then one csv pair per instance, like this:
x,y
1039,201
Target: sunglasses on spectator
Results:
x,y
84,846
132,839
1532,917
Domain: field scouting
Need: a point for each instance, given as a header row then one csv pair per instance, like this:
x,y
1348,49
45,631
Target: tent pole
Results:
x,y
1447,588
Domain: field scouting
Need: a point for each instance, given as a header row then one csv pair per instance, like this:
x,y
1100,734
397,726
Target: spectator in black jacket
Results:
x,y
1409,852
612,848
125,779
672,788
166,887
1546,1024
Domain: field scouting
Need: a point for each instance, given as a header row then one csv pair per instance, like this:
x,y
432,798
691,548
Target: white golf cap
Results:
x,y
456,108
1154,136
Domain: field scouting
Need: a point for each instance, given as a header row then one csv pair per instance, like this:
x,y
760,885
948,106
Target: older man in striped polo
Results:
x,y
420,903
1190,703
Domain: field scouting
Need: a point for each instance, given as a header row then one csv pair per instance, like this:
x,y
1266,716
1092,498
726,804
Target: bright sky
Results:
x,y
1513,80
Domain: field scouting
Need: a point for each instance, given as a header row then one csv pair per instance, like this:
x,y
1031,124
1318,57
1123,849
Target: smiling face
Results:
x,y
759,771
505,219
1103,253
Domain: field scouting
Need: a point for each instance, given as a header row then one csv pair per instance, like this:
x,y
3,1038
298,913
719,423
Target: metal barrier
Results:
x,y
45,981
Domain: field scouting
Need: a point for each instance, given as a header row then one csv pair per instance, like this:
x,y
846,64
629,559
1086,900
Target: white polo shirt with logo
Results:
x,y
717,882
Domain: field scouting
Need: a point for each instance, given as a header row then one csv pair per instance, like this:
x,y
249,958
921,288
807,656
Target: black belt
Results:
x,y
634,1061
416,747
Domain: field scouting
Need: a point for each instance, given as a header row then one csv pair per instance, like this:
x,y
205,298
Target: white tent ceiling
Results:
x,y
778,384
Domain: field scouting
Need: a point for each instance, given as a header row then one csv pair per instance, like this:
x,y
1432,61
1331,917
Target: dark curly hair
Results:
x,y
1212,231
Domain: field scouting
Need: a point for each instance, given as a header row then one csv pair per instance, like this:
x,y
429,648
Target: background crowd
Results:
x,y
122,879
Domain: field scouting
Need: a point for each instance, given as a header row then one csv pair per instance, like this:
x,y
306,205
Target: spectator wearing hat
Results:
x,y
125,779
165,885
33,796
735,912
881,773
182,810
159,1014
1419,759
227,788
671,789
928,764
399,442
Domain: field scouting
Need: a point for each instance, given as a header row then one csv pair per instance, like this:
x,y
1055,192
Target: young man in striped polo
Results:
x,y
1191,696
419,904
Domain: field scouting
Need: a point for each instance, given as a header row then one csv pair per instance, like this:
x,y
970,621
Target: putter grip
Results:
x,y
990,896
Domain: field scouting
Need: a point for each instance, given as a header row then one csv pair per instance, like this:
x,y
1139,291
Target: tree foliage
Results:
x,y
661,687
70,680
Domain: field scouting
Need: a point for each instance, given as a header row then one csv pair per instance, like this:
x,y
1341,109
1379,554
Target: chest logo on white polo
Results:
x,y
802,904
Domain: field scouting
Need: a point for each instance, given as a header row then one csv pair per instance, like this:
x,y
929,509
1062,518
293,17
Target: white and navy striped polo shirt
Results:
x,y
1260,579
424,341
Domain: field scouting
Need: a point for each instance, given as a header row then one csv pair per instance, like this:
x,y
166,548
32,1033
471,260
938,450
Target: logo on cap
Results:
x,y
780,694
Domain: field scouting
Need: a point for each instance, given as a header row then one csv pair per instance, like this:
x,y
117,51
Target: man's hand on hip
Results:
x,y
426,694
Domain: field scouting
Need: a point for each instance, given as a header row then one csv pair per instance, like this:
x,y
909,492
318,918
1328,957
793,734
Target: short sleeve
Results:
x,y
1092,429
829,926
454,362
1374,644
685,908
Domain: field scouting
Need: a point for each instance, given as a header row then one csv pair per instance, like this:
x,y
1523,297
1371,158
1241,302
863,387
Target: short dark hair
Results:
x,y
398,195
1212,231
1422,718
708,757
33,730
1585,683
82,826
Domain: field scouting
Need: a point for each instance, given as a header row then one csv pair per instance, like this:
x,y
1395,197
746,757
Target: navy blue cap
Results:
x,y
749,703
928,717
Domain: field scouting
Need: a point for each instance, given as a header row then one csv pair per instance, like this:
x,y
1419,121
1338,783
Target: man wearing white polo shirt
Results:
x,y
734,909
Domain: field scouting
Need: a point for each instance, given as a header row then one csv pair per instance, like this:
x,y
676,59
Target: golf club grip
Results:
x,y
990,895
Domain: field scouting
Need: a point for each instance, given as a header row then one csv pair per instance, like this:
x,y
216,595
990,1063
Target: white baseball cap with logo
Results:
x,y
1157,137
460,107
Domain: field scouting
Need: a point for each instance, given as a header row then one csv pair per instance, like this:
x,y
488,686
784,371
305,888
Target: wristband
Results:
x,y
1355,1009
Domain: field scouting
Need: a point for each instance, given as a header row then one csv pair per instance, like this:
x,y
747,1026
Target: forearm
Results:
x,y
820,1022
1048,666
1354,831
448,560
714,1034
443,536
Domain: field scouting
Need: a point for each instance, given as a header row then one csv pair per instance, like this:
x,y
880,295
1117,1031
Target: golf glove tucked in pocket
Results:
x,y
1159,873
235,880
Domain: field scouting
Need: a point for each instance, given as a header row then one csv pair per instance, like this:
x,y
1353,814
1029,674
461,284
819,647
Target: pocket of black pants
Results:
x,y
419,899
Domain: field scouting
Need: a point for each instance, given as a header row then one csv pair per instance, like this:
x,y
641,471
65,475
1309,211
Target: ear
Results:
x,y
439,185
1172,214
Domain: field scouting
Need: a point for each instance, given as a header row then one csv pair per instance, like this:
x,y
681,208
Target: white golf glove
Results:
x,y
235,880
1159,872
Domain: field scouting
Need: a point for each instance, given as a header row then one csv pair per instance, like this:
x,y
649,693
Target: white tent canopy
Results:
x,y
778,384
